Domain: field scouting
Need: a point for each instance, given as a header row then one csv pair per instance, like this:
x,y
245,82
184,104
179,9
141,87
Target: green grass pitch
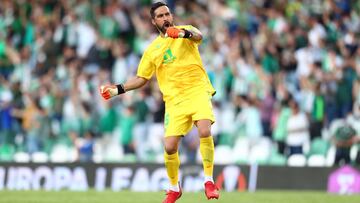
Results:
x,y
157,197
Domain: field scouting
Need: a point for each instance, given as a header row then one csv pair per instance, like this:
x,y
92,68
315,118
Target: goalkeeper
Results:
x,y
186,89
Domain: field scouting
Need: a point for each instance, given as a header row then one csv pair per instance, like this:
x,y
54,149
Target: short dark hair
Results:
x,y
154,6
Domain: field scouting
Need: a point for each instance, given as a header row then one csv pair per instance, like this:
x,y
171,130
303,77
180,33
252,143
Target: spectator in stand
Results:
x,y
297,130
141,127
85,147
353,120
266,110
127,123
55,50
37,125
279,125
249,119
317,114
6,120
344,138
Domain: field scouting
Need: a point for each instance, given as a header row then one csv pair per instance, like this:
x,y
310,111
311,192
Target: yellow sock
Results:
x,y
172,164
207,154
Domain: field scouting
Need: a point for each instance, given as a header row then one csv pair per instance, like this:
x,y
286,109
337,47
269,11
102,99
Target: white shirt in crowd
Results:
x,y
86,37
316,34
304,59
298,130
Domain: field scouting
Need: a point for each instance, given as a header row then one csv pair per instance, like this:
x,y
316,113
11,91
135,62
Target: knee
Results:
x,y
170,149
204,132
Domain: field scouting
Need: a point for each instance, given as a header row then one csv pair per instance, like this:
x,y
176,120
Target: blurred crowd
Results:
x,y
286,74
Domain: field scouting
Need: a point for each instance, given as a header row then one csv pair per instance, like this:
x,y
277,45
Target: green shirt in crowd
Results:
x,y
280,131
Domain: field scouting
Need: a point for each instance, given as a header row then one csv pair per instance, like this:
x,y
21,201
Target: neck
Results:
x,y
160,32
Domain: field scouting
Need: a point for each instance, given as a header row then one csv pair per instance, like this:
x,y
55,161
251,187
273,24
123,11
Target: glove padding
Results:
x,y
108,91
174,32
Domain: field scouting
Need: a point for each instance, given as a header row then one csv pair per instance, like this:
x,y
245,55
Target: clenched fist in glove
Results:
x,y
109,91
174,32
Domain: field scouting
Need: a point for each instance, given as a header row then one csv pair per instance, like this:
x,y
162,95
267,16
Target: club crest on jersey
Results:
x,y
168,57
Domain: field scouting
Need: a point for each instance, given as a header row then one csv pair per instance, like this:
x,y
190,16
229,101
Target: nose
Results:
x,y
165,21
166,18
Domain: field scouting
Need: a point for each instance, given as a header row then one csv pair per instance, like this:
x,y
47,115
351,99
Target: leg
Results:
x,y
177,123
338,156
206,147
172,161
281,147
347,158
295,150
203,118
172,144
207,154
357,160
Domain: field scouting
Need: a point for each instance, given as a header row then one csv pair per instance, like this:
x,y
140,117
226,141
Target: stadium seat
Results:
x,y
21,157
198,156
260,152
155,136
319,146
113,153
98,151
277,159
159,158
48,146
325,134
223,155
59,154
129,158
241,150
306,147
353,152
7,152
297,160
97,158
39,157
330,156
72,154
316,160
225,139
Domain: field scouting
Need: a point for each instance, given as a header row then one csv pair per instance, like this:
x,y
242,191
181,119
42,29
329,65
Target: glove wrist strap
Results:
x,y
187,34
120,88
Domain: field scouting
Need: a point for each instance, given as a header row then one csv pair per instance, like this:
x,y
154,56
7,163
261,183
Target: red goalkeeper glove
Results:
x,y
109,91
174,32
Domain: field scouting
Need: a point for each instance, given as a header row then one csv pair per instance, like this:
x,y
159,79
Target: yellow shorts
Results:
x,y
179,118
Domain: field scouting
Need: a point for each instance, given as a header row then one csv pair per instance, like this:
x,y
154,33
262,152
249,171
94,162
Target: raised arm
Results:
x,y
109,91
134,83
196,34
193,34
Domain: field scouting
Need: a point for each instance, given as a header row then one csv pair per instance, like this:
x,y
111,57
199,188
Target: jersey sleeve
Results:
x,y
146,67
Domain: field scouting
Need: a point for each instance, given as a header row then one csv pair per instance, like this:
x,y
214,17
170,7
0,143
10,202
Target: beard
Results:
x,y
162,28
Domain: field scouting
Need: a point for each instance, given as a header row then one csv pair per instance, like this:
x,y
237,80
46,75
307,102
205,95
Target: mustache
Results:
x,y
163,27
166,24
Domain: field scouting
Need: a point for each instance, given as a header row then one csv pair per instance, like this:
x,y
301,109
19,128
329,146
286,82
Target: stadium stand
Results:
x,y
261,57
